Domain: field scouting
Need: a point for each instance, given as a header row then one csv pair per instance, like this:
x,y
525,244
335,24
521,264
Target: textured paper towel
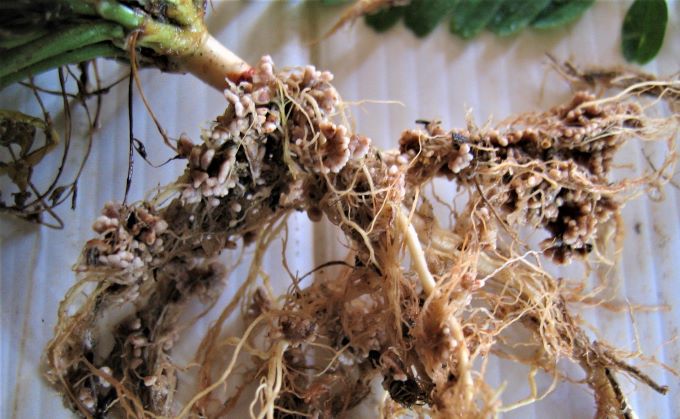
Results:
x,y
437,77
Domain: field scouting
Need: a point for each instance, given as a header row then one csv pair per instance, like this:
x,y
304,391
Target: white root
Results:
x,y
417,254
428,283
274,380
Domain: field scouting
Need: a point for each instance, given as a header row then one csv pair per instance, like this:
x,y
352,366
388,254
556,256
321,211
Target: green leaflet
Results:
x,y
642,33
469,17
334,2
561,12
515,15
422,16
643,30
384,19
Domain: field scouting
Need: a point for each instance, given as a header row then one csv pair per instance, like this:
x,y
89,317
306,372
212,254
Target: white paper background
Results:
x,y
436,77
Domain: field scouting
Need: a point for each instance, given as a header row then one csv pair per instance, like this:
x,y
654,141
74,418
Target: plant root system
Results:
x,y
425,327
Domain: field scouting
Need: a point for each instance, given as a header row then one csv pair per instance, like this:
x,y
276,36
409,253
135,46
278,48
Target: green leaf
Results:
x,y
334,2
643,30
422,16
471,16
384,19
561,12
515,15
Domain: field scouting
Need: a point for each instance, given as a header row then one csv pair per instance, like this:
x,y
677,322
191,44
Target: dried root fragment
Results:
x,y
361,8
282,145
621,78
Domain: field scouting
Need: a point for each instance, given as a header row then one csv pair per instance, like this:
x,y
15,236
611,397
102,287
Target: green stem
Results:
x,y
77,7
163,38
185,12
72,38
121,14
102,49
16,39
181,37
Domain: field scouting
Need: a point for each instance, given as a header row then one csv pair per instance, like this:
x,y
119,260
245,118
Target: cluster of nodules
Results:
x,y
127,364
582,130
339,147
272,121
316,141
238,149
128,238
544,169
434,151
352,315
139,359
